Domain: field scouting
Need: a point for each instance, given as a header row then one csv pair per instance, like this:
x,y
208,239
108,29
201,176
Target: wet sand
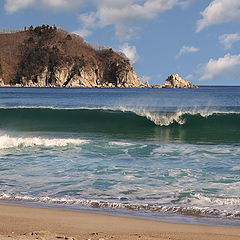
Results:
x,y
27,223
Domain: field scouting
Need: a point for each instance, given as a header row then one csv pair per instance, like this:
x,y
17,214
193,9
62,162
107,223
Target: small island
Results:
x,y
175,81
47,56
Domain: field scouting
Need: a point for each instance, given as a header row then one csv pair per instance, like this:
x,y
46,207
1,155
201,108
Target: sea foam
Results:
x,y
13,142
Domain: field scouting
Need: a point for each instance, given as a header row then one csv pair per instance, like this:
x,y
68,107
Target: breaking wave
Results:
x,y
150,124
13,142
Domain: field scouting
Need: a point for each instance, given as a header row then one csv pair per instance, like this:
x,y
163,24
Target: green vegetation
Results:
x,y
47,48
44,30
69,37
38,53
79,64
37,59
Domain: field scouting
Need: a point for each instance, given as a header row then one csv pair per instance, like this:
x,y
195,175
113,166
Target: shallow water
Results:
x,y
166,151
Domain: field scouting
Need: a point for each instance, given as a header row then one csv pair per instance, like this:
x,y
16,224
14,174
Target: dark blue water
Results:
x,y
168,151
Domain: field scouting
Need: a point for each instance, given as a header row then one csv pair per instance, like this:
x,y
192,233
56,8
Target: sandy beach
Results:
x,y
35,223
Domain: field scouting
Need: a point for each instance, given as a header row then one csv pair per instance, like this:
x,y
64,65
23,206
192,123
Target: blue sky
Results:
x,y
198,39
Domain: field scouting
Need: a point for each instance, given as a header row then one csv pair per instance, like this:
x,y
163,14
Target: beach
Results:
x,y
35,223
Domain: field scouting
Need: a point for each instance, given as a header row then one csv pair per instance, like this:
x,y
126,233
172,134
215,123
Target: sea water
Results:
x,y
151,152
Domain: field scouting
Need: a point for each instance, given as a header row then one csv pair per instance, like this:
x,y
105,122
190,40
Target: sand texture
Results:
x,y
32,223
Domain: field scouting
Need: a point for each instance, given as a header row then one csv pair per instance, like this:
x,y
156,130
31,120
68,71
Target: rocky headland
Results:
x,y
46,56
49,57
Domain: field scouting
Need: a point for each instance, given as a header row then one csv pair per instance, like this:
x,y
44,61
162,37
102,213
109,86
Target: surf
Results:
x,y
7,141
141,123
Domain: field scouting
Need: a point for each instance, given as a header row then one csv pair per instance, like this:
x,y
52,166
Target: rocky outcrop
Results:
x,y
1,83
175,81
121,76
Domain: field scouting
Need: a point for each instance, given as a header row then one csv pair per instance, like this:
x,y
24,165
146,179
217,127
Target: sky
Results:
x,y
198,39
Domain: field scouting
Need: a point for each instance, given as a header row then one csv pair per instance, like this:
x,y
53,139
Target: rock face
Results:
x,y
65,77
1,83
175,81
49,57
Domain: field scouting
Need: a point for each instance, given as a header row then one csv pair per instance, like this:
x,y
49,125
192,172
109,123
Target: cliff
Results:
x,y
49,57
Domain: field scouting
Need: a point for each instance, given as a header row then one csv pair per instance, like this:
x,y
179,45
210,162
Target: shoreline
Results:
x,y
18,222
167,217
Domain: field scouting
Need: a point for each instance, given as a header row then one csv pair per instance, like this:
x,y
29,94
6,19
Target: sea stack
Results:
x,y
175,81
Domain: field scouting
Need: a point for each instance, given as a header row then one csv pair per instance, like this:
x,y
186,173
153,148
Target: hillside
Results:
x,y
49,57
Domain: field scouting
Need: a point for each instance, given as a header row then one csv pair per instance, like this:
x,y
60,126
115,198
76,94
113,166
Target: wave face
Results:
x,y
155,125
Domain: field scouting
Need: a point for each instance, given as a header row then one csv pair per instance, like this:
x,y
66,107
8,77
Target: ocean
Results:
x,y
162,154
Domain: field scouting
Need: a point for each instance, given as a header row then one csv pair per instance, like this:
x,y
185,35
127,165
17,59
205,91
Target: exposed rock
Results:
x,y
49,57
147,85
66,77
175,81
1,83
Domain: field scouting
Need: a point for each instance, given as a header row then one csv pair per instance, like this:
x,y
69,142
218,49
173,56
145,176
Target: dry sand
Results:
x,y
33,223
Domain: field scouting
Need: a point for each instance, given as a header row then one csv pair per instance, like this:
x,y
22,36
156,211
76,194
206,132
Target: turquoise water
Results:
x,y
166,151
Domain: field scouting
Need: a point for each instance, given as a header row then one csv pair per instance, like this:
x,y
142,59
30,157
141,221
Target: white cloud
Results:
x,y
124,15
83,33
88,20
185,4
219,11
12,6
227,40
187,49
189,77
130,52
133,13
146,79
221,66
124,33
61,5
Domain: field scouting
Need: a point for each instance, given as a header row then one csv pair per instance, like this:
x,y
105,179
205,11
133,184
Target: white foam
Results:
x,y
122,144
189,210
201,200
12,142
166,119
236,168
